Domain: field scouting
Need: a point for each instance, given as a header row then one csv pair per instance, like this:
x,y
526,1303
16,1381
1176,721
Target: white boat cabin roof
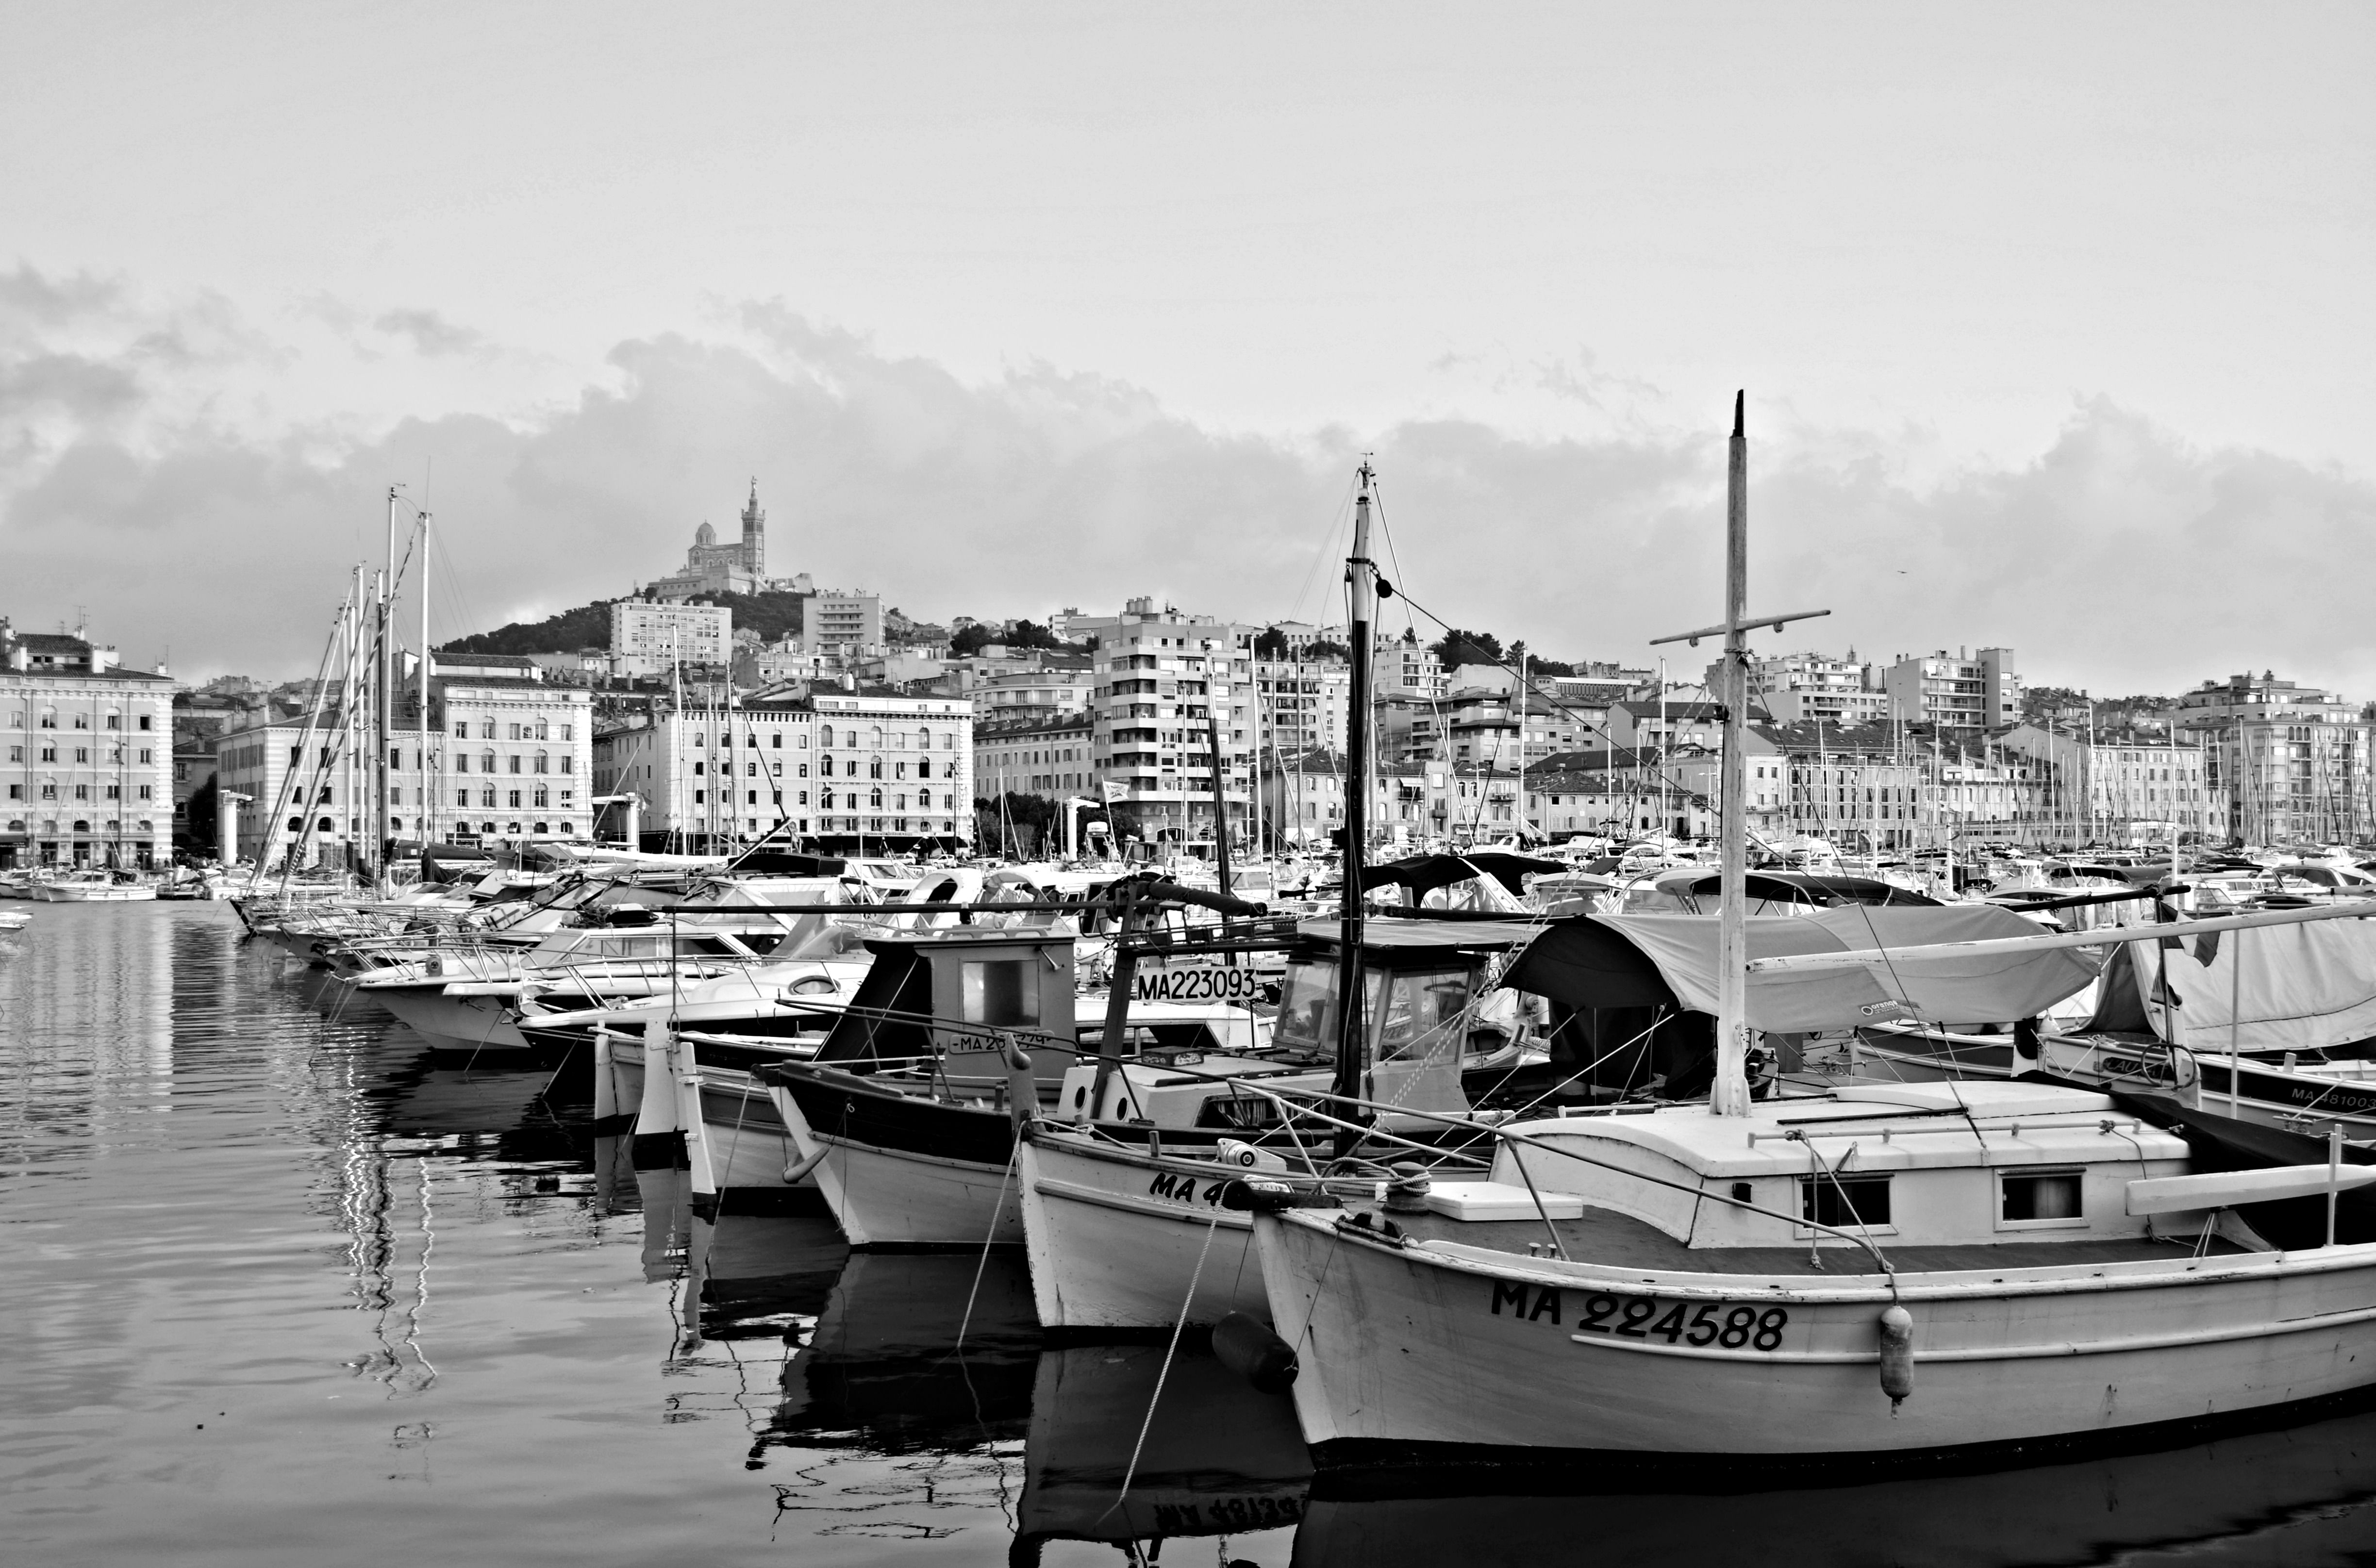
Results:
x,y
1888,1126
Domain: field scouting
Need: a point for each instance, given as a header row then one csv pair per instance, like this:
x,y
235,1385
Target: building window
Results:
x,y
49,753
144,722
50,719
543,764
461,797
875,799
487,732
542,800
697,800
568,764
487,801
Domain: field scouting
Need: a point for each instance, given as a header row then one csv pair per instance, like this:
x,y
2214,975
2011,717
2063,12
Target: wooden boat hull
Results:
x,y
1447,1353
901,1171
1122,1240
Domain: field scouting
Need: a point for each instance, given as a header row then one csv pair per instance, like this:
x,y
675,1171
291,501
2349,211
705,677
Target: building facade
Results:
x,y
2284,763
848,624
1157,675
701,777
89,754
652,636
1959,691
1034,755
1305,704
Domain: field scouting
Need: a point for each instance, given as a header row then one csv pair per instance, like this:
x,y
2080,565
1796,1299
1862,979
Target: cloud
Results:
x,y
2119,556
431,333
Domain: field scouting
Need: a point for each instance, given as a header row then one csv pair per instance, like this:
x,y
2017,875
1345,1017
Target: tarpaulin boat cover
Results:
x,y
1573,962
2307,987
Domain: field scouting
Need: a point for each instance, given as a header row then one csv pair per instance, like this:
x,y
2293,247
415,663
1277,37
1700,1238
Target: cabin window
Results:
x,y
1845,1202
1424,1007
999,991
2030,1199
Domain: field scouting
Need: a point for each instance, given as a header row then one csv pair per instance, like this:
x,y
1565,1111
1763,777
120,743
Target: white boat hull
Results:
x,y
473,1024
74,893
1119,1240
1434,1351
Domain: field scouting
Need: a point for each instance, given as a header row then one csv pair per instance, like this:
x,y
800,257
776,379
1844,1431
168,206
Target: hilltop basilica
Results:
x,y
712,567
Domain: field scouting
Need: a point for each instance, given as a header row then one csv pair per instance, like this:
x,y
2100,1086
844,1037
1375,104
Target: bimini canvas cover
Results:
x,y
1574,963
2306,987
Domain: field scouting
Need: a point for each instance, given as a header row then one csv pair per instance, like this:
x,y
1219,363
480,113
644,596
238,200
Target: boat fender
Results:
x,y
1407,1194
1376,1225
1247,1346
797,1171
1896,1356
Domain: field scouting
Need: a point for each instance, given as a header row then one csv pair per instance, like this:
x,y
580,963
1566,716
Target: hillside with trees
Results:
x,y
773,616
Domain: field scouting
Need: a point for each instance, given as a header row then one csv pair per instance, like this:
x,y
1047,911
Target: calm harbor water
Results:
x,y
274,1291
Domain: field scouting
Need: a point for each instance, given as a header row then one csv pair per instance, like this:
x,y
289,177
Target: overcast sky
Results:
x,y
2055,321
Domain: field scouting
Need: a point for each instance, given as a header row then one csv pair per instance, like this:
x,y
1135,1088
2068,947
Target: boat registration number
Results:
x,y
1725,1324
1207,982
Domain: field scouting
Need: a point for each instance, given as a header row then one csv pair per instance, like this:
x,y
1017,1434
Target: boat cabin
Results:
x,y
1927,1165
944,996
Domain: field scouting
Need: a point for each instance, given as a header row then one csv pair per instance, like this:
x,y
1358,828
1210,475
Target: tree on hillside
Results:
x,y
1458,646
1270,643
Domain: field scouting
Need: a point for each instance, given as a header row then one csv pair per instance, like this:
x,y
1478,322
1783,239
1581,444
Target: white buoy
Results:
x,y
1896,1356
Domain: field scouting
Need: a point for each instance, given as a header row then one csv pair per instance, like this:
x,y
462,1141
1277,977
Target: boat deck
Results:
x,y
1619,1240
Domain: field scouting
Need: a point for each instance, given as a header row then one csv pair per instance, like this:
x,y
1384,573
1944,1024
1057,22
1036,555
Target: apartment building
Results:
x,y
2287,762
1814,688
706,776
652,636
842,622
1305,704
1034,755
89,754
1959,691
2124,787
1157,674
1303,795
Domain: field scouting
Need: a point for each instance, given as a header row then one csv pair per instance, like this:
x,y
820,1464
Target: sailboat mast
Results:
x,y
1352,1018
1221,793
431,806
383,706
1729,1096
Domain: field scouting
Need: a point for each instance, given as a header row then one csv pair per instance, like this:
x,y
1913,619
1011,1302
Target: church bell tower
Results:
x,y
755,535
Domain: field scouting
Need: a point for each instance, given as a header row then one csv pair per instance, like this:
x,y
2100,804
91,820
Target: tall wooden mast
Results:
x,y
1352,1020
1730,1093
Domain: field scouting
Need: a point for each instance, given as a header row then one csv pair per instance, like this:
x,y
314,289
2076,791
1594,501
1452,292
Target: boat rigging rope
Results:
x,y
996,1209
1139,1447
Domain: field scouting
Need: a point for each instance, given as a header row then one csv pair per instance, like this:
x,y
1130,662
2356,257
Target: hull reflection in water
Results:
x,y
884,1369
2301,1495
1220,1458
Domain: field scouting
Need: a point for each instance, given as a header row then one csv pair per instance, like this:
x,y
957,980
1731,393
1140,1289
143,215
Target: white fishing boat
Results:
x,y
12,920
91,887
1890,1271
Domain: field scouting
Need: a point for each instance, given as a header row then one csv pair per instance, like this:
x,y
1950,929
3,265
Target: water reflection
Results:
x,y
265,1261
1216,1458
2303,1496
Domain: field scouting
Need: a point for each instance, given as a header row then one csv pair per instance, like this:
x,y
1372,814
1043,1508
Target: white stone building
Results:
x,y
89,749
